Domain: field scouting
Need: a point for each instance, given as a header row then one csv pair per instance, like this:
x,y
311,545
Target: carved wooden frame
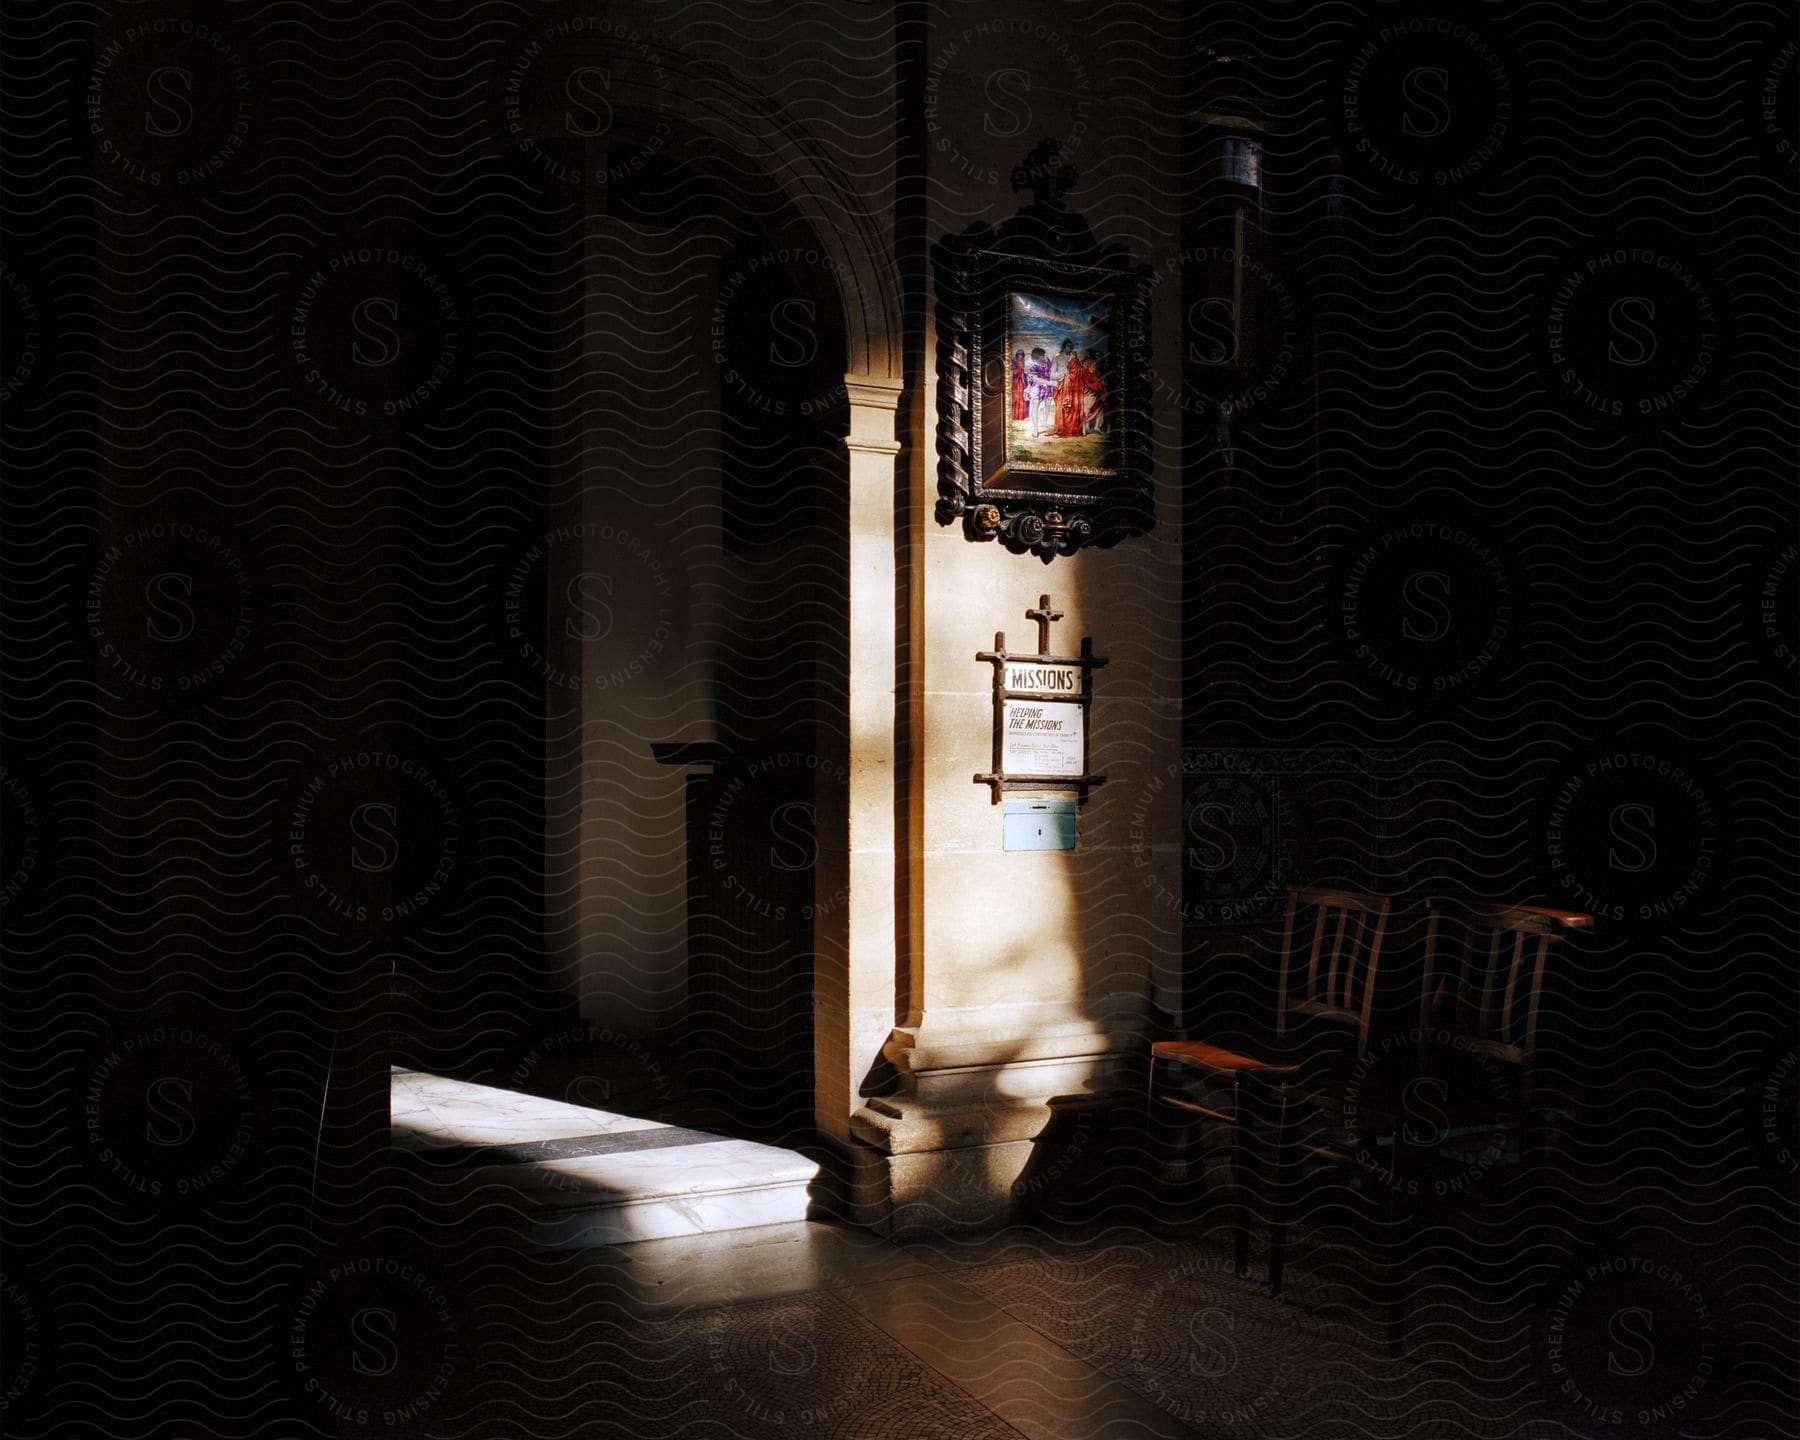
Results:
x,y
1040,509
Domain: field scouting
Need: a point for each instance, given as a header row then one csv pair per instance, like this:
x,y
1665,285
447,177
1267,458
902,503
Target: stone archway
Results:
x,y
649,92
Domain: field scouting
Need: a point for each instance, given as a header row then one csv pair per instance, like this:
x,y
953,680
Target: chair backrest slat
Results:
x,y
1284,980
1431,984
1512,986
1332,989
1490,975
1465,968
1531,1011
1312,962
1368,1000
1359,948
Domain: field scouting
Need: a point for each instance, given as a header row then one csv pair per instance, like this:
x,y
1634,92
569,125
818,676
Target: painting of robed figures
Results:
x,y
1044,387
1058,413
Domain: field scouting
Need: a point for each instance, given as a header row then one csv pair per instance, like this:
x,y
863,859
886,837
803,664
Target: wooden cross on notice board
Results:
x,y
1043,615
1041,705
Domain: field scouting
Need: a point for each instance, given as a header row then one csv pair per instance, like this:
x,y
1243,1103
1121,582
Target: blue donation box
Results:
x,y
1038,824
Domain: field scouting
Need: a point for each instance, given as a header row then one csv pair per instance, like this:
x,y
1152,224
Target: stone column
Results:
x,y
1030,973
854,966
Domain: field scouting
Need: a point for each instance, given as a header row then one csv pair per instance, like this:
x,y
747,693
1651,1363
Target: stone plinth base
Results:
x,y
954,1150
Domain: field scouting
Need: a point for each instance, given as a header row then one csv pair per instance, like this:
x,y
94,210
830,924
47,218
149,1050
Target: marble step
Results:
x,y
579,1176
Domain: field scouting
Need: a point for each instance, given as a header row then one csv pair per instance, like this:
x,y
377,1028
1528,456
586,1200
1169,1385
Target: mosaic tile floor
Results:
x,y
814,1330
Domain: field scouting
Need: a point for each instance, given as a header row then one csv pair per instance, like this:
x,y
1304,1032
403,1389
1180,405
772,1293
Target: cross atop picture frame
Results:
x,y
1043,400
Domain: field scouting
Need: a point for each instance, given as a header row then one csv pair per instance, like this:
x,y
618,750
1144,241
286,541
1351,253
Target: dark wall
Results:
x,y
1492,572
283,412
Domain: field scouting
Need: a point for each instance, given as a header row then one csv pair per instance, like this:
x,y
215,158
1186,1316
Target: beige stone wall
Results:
x,y
1027,975
1019,927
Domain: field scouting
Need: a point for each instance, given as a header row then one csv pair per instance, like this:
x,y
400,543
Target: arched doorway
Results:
x,y
696,591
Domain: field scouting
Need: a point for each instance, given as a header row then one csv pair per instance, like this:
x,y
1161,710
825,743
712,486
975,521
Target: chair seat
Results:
x,y
1218,1060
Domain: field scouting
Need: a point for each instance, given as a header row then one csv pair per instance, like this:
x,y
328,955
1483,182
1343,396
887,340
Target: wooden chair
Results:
x,y
1482,987
1330,953
1480,996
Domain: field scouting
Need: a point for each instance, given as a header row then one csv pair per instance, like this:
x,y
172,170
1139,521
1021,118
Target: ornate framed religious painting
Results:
x,y
1044,392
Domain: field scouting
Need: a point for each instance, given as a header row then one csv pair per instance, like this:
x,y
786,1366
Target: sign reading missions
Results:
x,y
1049,679
1040,713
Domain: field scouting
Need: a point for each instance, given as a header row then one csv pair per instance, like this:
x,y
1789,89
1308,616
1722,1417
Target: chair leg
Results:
x,y
1161,1135
1240,1182
1399,1238
1281,1192
1153,1163
1169,1183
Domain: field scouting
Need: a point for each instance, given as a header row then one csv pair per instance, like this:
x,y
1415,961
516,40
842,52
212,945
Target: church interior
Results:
x,y
930,718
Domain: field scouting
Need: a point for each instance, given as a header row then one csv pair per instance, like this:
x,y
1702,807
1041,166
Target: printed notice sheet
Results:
x,y
1041,737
